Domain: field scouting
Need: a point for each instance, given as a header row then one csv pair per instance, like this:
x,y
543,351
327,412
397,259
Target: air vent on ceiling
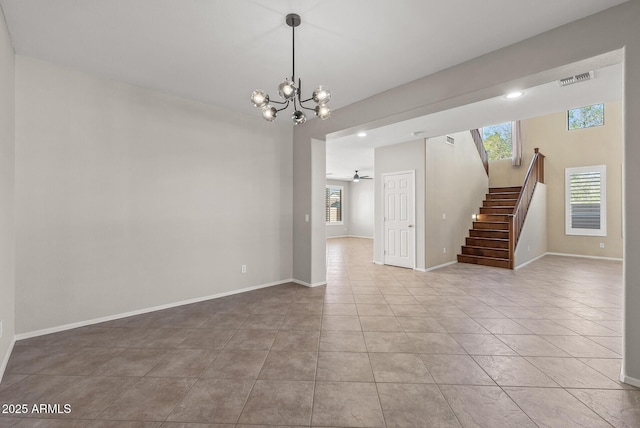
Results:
x,y
450,140
576,79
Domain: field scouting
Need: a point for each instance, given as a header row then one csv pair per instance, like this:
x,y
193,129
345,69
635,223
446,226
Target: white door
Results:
x,y
399,217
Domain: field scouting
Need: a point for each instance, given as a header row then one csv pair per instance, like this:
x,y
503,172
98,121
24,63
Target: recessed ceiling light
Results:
x,y
515,94
362,134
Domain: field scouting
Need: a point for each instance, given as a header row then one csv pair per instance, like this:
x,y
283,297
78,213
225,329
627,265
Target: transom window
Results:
x,y
585,117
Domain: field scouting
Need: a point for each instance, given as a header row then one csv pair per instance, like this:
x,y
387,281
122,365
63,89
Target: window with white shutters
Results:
x,y
586,201
333,204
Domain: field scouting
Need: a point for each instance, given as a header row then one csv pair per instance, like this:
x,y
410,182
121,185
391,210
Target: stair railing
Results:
x,y
477,138
535,175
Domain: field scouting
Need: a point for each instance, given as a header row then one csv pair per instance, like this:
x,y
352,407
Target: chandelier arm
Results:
x,y
304,101
307,108
293,60
278,102
283,108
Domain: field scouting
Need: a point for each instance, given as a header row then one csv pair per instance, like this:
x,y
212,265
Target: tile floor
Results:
x,y
377,347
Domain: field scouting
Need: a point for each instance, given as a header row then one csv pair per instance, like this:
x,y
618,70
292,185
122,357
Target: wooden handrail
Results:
x,y
535,175
477,138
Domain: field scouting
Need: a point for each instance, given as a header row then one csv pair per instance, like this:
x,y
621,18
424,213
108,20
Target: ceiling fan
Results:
x,y
357,177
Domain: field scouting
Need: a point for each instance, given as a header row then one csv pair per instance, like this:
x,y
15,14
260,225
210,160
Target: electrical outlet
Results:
x,y
444,216
602,245
444,251
306,218
244,268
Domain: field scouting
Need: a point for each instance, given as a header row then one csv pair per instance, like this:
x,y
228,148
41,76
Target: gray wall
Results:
x,y
7,229
128,199
362,209
397,158
586,44
456,184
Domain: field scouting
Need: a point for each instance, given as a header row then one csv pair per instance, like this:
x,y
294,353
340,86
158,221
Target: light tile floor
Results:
x,y
377,347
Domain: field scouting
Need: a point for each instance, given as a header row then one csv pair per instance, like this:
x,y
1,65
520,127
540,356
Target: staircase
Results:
x,y
488,241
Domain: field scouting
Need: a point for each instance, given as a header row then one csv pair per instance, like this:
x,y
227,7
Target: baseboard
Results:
x,y
420,269
629,380
378,263
5,360
583,256
441,266
350,236
530,261
306,284
64,327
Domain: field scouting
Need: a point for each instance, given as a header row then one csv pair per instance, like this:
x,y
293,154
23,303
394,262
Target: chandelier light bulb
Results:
x,y
322,111
298,117
287,89
321,95
259,98
269,113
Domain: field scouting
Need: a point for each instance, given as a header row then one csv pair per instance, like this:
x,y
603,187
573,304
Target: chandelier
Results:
x,y
291,93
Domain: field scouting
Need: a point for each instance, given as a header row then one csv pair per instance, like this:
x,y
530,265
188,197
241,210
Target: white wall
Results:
x,y
334,230
7,228
397,158
456,184
533,237
361,205
128,198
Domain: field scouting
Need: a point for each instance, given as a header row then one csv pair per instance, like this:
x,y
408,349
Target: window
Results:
x,y
586,201
586,117
497,141
333,204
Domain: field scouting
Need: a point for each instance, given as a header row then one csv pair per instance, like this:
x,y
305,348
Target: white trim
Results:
x,y
70,326
306,284
583,256
378,263
420,269
350,236
570,231
5,360
630,380
441,266
530,261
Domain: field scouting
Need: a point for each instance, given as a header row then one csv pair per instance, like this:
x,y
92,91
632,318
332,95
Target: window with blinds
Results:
x,y
586,201
333,204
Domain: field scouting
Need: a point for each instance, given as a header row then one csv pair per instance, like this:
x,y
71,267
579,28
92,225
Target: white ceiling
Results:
x,y
345,154
218,51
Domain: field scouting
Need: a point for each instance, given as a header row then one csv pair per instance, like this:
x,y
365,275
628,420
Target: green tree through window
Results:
x,y
586,117
497,141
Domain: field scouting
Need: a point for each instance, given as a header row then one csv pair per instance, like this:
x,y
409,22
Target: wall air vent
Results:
x,y
450,140
576,79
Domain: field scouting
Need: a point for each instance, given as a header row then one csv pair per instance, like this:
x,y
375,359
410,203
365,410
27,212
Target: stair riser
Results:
x,y
493,217
486,262
487,243
487,252
505,189
500,203
493,196
490,226
494,210
479,233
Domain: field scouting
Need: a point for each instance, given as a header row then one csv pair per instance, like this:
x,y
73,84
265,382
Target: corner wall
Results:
x,y
456,186
128,199
533,237
7,195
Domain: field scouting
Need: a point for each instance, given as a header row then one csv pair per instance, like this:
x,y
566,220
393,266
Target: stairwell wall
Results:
x,y
456,184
